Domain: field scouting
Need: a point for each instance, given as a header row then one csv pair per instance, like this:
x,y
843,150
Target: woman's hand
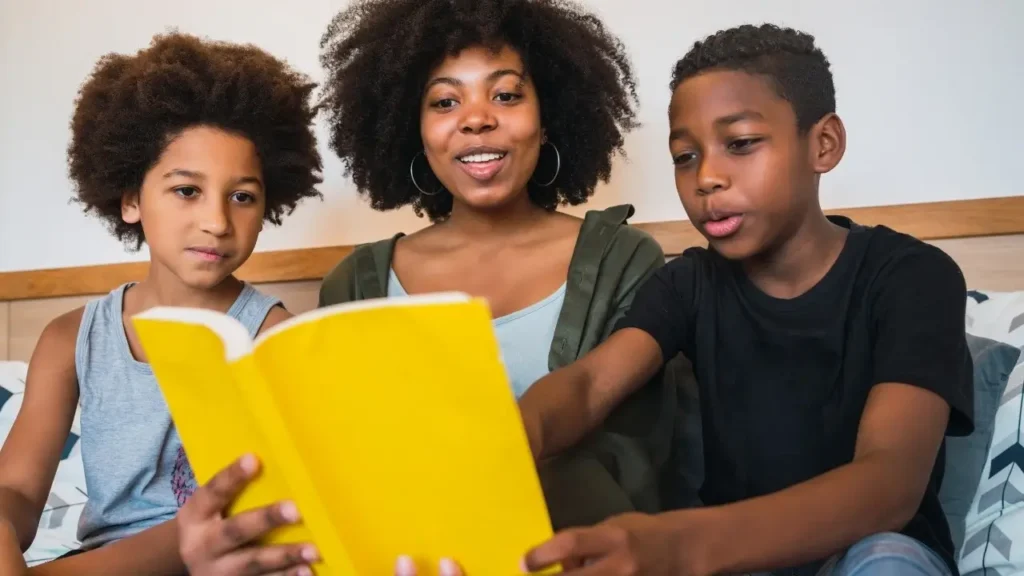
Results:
x,y
406,567
211,544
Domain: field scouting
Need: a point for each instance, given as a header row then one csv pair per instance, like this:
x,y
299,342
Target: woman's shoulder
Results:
x,y
607,235
355,277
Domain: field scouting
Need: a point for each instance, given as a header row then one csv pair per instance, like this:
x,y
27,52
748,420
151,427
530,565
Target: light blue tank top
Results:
x,y
136,473
524,336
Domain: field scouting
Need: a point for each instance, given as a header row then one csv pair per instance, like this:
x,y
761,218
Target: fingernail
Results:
x,y
305,571
405,566
448,568
248,464
309,554
522,566
289,512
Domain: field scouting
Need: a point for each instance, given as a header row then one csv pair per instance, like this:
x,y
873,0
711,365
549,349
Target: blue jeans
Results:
x,y
885,554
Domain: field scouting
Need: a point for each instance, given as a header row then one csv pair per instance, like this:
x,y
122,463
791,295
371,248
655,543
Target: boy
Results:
x,y
831,357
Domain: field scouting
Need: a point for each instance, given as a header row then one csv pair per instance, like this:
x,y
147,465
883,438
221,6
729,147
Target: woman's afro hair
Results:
x,y
132,106
378,55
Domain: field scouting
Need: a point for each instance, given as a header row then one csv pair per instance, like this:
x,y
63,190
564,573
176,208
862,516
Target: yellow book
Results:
x,y
390,424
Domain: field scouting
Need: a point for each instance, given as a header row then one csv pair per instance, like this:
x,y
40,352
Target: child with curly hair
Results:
x,y
485,116
188,146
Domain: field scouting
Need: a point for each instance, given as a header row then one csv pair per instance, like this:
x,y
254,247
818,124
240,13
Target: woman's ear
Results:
x,y
130,211
828,143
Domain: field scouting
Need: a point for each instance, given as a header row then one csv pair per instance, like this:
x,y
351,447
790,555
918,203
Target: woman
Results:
x,y
486,115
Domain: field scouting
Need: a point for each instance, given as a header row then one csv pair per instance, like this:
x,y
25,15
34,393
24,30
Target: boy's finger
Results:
x,y
571,546
225,486
242,529
290,559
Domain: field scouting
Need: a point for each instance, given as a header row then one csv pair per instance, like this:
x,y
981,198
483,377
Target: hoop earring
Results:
x,y
558,167
412,176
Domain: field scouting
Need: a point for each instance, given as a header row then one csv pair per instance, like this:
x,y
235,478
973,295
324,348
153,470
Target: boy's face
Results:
x,y
746,177
201,205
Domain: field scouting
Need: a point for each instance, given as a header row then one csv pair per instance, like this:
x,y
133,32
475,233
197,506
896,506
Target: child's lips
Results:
x,y
207,254
723,226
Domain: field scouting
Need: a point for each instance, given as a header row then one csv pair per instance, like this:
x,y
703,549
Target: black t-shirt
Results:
x,y
783,383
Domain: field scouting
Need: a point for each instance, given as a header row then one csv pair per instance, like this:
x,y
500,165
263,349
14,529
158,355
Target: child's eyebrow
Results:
x,y
739,116
185,174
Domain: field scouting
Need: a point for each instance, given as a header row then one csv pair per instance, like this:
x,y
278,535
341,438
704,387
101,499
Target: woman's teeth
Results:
x,y
475,158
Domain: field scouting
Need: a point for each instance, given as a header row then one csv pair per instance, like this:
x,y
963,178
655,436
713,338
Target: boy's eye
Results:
x,y
243,197
741,144
683,159
187,191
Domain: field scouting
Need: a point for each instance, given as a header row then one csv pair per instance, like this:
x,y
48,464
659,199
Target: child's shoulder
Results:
x,y
57,342
890,255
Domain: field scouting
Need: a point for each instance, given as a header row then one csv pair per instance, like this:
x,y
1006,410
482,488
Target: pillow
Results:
x,y
966,456
58,526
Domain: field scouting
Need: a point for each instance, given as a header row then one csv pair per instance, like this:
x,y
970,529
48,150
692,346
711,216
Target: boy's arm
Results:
x,y
922,388
11,560
560,409
152,552
31,453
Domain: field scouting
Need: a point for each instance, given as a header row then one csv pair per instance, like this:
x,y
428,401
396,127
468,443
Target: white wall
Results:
x,y
927,89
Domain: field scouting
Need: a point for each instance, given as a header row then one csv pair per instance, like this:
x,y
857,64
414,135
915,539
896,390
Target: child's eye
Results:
x,y
444,103
243,197
683,159
187,191
742,144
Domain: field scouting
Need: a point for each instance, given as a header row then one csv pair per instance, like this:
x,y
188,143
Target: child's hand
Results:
x,y
211,544
406,567
625,545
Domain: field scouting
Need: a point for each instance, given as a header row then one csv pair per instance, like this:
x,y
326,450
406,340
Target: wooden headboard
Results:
x,y
985,237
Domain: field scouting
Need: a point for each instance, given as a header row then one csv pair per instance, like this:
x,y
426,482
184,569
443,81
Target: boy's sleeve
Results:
x,y
919,328
662,306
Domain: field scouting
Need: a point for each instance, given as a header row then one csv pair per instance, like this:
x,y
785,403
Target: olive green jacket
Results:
x,y
610,261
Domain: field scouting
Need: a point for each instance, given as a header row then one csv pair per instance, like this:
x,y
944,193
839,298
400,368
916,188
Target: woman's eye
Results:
x,y
507,97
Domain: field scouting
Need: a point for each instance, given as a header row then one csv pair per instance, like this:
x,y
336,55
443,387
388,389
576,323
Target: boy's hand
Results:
x,y
211,544
626,545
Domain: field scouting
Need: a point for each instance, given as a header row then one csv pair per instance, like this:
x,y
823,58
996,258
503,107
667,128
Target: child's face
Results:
x,y
480,124
746,176
201,205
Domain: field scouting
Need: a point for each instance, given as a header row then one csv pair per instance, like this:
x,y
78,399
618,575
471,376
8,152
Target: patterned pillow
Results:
x,y
59,523
994,538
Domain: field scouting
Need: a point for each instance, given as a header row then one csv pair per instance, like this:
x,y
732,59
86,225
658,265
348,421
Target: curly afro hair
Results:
x,y
796,68
131,107
379,53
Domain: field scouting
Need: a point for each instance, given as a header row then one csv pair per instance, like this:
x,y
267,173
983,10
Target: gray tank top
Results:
x,y
136,473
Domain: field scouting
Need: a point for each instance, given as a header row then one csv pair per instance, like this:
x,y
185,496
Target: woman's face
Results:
x,y
480,124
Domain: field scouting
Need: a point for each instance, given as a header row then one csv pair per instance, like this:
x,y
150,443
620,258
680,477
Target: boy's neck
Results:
x,y
162,288
800,261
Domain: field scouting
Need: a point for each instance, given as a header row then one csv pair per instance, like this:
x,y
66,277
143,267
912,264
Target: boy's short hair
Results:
x,y
131,106
797,69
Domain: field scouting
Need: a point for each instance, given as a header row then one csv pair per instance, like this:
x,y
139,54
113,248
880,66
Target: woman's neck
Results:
x,y
800,261
500,224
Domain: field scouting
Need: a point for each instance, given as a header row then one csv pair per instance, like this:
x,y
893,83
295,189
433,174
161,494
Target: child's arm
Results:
x,y
11,561
920,373
560,409
31,453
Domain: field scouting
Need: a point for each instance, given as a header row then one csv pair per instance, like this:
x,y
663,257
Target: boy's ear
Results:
x,y
828,143
130,212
